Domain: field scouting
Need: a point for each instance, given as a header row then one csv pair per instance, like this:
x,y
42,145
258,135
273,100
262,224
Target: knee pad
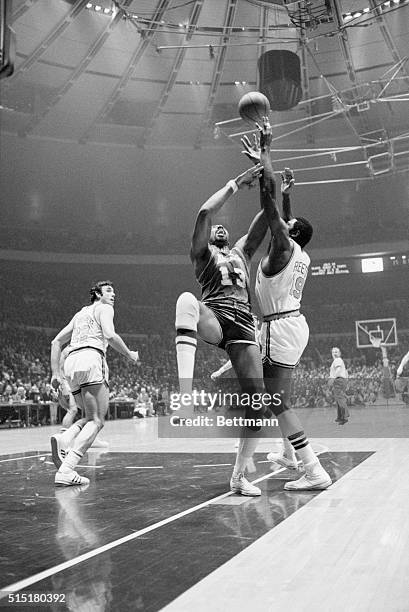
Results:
x,y
187,312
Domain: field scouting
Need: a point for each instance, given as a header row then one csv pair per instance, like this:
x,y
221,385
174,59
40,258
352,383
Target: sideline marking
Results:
x,y
211,464
17,458
144,467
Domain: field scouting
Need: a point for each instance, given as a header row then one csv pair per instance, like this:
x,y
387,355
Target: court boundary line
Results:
x,y
56,569
17,458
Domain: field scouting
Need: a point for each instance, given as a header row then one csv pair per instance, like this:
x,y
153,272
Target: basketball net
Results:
x,y
376,342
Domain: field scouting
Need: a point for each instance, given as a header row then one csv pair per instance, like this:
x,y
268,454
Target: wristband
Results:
x,y
233,185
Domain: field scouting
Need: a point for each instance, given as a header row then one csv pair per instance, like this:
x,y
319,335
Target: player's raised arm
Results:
x,y
203,225
287,181
278,227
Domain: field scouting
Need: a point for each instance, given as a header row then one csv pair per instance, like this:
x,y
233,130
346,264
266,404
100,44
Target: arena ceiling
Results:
x,y
169,74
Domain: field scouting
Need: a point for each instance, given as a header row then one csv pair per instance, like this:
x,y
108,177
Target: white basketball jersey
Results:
x,y
87,330
283,291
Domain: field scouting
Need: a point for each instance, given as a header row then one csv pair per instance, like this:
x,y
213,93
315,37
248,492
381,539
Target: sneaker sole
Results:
x,y
317,487
71,484
240,492
54,453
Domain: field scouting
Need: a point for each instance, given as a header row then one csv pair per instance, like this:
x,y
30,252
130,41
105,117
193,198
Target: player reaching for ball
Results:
x,y
280,279
89,332
223,317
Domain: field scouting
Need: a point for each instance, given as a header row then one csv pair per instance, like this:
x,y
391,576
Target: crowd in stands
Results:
x,y
25,373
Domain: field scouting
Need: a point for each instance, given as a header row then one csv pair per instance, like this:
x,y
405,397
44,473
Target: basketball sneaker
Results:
x,y
240,485
283,461
70,479
57,451
317,480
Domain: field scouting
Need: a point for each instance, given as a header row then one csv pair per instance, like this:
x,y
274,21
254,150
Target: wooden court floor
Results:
x,y
157,528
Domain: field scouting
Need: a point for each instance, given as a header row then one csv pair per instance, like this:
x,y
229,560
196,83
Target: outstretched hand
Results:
x,y
249,177
251,149
266,133
287,180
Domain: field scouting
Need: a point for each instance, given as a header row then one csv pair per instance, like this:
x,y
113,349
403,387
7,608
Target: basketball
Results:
x,y
253,106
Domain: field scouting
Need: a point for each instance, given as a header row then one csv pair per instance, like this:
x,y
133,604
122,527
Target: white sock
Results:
x,y
70,434
185,356
303,448
70,462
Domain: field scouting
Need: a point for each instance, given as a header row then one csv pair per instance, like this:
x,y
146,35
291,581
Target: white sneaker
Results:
x,y
57,451
240,485
70,479
283,461
310,482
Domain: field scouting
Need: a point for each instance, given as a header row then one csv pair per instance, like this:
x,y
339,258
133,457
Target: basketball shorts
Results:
x,y
236,323
85,367
283,341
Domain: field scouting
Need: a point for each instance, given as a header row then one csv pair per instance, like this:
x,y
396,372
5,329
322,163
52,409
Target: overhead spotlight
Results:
x,y
357,14
237,83
107,11
367,9
244,82
89,5
97,7
387,3
347,17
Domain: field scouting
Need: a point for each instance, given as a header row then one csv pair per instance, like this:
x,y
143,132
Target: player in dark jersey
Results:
x,y
224,316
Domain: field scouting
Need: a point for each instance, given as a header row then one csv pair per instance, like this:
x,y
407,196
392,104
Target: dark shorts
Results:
x,y
236,322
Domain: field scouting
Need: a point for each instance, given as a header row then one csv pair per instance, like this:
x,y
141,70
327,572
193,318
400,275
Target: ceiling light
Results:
x,y
347,16
367,9
89,5
97,7
357,14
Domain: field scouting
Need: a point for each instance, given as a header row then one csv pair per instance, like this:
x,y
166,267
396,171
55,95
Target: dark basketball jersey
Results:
x,y
225,276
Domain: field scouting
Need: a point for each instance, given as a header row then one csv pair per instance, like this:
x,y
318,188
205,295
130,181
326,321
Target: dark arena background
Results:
x,y
118,120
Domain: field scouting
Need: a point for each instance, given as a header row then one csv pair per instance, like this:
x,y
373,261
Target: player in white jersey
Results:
x,y
89,332
279,284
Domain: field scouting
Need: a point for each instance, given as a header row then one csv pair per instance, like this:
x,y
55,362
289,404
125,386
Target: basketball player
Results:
x,y
280,279
89,332
223,317
338,377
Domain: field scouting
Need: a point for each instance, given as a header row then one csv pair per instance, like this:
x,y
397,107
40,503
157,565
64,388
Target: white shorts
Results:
x,y
85,367
283,341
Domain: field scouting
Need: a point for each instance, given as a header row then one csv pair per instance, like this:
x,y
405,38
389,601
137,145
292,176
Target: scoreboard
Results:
x,y
358,264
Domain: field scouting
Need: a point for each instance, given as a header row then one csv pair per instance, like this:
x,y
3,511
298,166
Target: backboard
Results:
x,y
384,329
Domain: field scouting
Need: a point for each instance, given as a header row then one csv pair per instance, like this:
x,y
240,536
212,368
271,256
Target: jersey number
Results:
x,y
297,287
232,276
